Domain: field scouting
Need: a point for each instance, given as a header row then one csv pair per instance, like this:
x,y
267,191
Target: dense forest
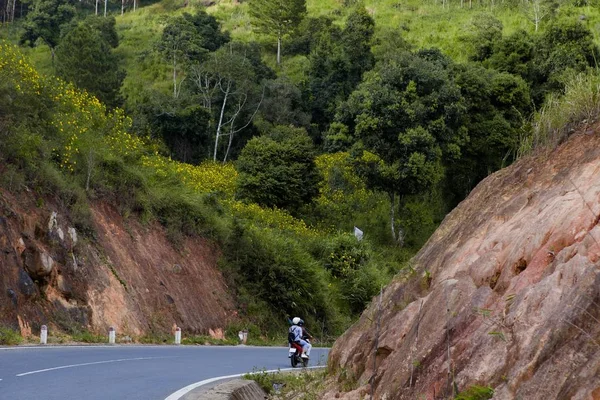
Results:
x,y
276,127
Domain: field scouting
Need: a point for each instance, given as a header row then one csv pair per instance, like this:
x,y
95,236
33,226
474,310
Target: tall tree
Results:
x,y
85,58
538,10
277,18
407,111
187,39
46,21
229,84
337,63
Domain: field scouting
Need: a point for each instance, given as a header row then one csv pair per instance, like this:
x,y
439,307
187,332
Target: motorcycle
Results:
x,y
295,355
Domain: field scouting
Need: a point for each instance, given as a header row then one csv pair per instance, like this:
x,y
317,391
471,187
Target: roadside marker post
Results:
x,y
111,335
178,335
44,335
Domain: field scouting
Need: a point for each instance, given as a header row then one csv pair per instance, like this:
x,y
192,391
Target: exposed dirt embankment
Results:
x,y
506,294
129,276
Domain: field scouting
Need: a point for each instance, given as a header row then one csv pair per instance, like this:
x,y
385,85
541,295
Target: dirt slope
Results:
x,y
129,276
505,294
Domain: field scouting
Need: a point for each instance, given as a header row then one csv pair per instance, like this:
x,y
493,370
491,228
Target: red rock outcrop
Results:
x,y
129,275
505,294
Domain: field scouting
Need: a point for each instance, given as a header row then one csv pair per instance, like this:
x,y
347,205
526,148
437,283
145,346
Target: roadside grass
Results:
x,y
299,385
207,340
88,337
9,336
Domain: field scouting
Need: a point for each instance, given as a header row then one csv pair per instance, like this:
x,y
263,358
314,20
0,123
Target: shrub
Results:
x,y
346,254
476,393
278,271
278,170
9,337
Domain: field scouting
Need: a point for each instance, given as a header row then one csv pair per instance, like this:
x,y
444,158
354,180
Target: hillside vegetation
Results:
x,y
379,115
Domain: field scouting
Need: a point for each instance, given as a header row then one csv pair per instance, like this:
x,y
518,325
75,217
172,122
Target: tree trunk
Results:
x,y
392,214
105,6
231,133
397,232
174,76
97,6
134,5
122,7
220,125
279,50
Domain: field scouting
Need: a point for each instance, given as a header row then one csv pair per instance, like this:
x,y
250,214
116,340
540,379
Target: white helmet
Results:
x,y
296,321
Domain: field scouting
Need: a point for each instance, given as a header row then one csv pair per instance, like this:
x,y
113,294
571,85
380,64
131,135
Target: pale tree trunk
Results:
x,y
536,14
279,50
397,233
134,5
233,131
174,76
90,167
105,6
122,7
220,125
97,6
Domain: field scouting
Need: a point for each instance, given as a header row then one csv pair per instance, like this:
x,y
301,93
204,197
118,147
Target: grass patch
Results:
x,y
9,337
88,337
563,114
302,385
208,340
476,393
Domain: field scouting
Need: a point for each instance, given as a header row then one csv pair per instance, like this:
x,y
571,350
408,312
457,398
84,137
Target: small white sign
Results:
x,y
358,233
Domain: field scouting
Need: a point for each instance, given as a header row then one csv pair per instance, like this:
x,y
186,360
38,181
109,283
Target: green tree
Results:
x,y
407,111
357,37
277,18
482,33
278,170
180,122
283,104
497,103
337,64
107,28
85,58
47,21
187,39
564,47
229,83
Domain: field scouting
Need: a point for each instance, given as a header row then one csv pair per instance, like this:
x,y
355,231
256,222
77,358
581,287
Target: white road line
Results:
x,y
182,392
85,364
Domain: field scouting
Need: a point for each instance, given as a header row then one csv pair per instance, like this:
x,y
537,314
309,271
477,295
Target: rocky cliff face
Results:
x,y
129,276
505,294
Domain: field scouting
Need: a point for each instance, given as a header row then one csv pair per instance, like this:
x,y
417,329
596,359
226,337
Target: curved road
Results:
x,y
127,372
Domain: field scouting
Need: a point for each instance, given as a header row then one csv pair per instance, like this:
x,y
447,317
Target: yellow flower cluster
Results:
x,y
14,68
339,182
271,217
207,177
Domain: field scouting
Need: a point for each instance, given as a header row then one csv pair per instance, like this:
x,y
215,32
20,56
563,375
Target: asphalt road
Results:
x,y
127,372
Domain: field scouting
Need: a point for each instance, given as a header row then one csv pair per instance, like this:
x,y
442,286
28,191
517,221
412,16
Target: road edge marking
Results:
x,y
183,391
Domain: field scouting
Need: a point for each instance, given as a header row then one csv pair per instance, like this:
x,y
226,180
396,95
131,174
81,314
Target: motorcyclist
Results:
x,y
298,333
